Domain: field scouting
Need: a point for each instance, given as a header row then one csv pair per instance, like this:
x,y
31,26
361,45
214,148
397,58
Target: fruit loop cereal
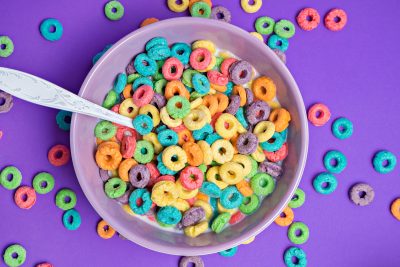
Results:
x,y
71,219
395,209
104,230
63,119
362,194
342,128
335,161
221,13
59,155
14,255
229,252
196,160
148,21
336,19
44,264
25,197
51,29
319,114
251,8
325,183
384,161
10,177
6,102
298,233
308,19
114,10
191,261
6,46
285,218
298,254
65,199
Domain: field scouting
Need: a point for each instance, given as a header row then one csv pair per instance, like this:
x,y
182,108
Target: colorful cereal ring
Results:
x,y
25,197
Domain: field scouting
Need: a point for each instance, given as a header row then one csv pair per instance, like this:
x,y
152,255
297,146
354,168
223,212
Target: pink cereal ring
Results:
x,y
308,19
125,131
319,114
226,64
25,197
336,19
216,77
236,217
278,155
115,108
143,95
200,59
128,145
172,69
154,173
191,178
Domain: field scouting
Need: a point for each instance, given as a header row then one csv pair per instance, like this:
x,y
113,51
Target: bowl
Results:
x,y
99,81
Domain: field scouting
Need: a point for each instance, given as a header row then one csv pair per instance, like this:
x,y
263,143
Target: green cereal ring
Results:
x,y
265,25
158,75
110,100
105,130
144,152
115,187
254,168
339,161
114,10
187,77
10,177
262,184
220,221
249,204
284,28
325,183
132,77
298,238
159,86
65,199
218,63
14,255
342,128
203,168
298,199
200,10
298,254
178,107
43,182
6,46
379,161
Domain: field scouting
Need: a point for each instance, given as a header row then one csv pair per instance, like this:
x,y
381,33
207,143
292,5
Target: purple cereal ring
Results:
x,y
257,111
194,261
139,176
193,216
6,102
221,13
124,199
249,96
240,72
130,69
104,176
234,104
362,194
247,143
281,55
158,101
271,168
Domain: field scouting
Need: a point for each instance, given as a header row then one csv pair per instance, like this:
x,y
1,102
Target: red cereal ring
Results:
x,y
200,59
154,173
278,155
308,19
45,264
215,118
172,69
115,108
216,77
336,19
59,155
128,145
143,95
25,197
319,114
123,131
191,178
151,218
226,64
236,217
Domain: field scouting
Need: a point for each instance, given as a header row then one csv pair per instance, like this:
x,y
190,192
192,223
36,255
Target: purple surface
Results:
x,y
354,72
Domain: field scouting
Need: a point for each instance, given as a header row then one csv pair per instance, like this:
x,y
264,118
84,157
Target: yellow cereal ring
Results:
x,y
128,108
258,36
222,209
183,193
226,125
152,138
195,103
274,104
174,152
258,155
167,120
251,8
264,130
164,193
152,111
206,111
212,175
206,206
207,44
248,241
174,6
222,151
207,153
124,168
244,161
225,54
196,230
181,204
128,209
195,120
231,173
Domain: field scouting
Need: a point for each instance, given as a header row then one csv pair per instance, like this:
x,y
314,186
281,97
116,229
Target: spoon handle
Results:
x,y
41,92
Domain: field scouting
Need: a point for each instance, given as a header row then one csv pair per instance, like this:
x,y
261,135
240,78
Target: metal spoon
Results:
x,y
41,92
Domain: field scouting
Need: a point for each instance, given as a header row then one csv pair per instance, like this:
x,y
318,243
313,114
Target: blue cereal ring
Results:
x,y
229,252
202,133
72,219
342,128
229,89
284,134
211,138
46,29
200,83
63,120
169,215
182,52
210,189
214,206
275,145
142,81
240,116
100,54
156,41
120,83
144,65
380,158
144,195
276,42
325,178
231,198
340,161
143,124
161,128
167,137
159,52
295,252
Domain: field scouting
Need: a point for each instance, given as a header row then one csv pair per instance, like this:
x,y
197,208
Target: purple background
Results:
x,y
354,72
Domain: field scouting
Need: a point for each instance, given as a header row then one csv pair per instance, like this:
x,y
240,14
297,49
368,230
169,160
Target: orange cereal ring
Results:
x,y
285,218
192,2
184,136
219,88
281,118
223,102
104,230
124,167
239,90
108,156
128,91
174,88
211,102
148,21
395,209
264,88
194,153
244,188
202,196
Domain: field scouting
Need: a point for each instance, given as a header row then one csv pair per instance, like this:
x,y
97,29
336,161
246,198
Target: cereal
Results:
x,y
300,238
325,183
144,196
43,183
220,221
14,255
284,28
298,199
276,42
240,72
231,198
6,46
25,197
258,111
114,10
319,114
271,168
274,143
51,29
105,130
258,36
251,8
335,161
262,184
221,13
182,52
169,215
342,128
193,216
362,194
229,252
335,19
63,120
44,264
250,204
281,55
104,230
281,118
65,199
194,261
247,143
108,155
395,208
10,177
59,155
72,219
174,6
285,218
308,19
172,69
6,102
128,146
148,21
298,254
200,9
264,25
384,161
115,187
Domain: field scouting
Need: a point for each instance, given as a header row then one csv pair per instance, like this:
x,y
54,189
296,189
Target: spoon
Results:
x,y
41,92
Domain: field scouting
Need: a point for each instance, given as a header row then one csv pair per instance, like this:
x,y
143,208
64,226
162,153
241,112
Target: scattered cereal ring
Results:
x,y
10,177
319,114
264,25
221,13
300,238
6,102
43,183
195,261
335,19
308,19
104,230
285,218
384,161
59,155
114,10
325,183
148,21
200,9
251,8
229,252
51,29
362,194
174,6
298,254
72,219
44,264
276,42
258,36
25,197
65,199
395,208
14,255
63,120
6,46
284,28
298,199
335,161
342,128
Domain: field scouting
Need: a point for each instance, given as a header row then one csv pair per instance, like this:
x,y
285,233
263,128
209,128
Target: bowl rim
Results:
x,y
261,225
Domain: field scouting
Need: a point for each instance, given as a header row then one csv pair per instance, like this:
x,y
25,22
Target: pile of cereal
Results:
x,y
205,150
